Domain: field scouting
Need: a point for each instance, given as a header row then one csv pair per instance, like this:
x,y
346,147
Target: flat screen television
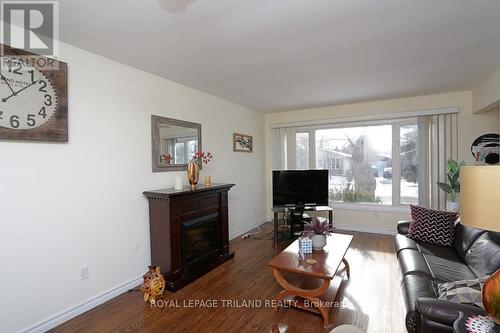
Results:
x,y
300,188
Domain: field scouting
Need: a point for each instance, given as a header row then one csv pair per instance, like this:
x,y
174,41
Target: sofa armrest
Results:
x,y
432,313
403,227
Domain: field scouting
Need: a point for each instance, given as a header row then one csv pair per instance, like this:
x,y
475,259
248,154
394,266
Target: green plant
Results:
x,y
453,174
317,227
347,193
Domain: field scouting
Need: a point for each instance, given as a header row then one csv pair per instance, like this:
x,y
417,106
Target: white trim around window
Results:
x,y
367,118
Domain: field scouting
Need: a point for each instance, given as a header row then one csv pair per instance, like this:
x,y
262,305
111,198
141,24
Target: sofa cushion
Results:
x,y
432,226
448,269
484,255
463,292
445,252
412,262
402,242
464,238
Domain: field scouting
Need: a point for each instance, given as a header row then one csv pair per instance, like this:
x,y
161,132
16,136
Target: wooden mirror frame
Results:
x,y
156,121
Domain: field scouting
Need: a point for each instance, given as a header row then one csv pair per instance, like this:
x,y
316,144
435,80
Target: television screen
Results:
x,y
300,188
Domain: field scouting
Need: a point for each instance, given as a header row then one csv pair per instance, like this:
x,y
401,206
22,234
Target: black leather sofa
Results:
x,y
423,266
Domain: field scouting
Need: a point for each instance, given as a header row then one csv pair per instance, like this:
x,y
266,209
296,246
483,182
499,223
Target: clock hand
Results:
x,y
17,92
6,82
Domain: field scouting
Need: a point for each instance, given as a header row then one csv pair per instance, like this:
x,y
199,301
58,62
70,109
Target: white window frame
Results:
x,y
396,124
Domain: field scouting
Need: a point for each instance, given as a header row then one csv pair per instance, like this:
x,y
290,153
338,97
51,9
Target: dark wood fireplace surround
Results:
x,y
169,210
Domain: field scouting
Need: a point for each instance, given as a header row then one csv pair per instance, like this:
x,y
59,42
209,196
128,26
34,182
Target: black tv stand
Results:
x,y
296,212
288,220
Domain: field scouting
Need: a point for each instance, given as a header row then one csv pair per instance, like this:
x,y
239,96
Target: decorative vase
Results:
x,y
491,296
153,284
193,174
318,242
208,181
453,206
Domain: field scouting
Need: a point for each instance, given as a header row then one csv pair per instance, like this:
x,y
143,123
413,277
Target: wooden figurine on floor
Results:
x,y
153,284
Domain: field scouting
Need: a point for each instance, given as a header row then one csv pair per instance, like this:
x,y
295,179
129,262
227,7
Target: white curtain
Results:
x,y
283,148
438,141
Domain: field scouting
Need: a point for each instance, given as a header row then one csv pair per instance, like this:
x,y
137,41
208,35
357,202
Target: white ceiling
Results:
x,y
273,55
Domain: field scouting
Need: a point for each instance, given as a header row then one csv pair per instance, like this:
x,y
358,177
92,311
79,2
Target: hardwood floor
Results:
x,y
370,299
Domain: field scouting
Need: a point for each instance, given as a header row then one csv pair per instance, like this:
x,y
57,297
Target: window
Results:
x,y
384,163
373,163
336,163
192,144
360,163
409,164
185,149
302,150
180,153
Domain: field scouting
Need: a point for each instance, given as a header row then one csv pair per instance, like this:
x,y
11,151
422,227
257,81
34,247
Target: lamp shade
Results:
x,y
480,197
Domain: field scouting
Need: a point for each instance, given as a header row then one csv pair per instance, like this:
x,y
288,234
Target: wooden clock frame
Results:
x,y
56,129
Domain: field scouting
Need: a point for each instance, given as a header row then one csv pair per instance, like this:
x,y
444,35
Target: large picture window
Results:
x,y
381,164
369,163
360,163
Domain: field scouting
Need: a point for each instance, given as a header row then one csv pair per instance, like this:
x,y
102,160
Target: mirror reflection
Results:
x,y
174,142
177,144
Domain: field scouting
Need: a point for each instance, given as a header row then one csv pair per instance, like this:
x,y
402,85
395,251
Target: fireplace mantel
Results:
x,y
170,211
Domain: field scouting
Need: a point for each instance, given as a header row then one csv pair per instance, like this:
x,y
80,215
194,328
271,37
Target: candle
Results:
x,y
178,183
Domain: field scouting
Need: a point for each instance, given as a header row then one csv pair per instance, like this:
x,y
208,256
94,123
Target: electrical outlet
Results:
x,y
84,273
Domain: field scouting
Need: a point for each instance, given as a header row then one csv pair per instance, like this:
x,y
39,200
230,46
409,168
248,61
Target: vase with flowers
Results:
x,y
317,230
194,168
166,158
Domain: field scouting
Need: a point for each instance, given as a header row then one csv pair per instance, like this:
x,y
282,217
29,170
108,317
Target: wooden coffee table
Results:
x,y
312,287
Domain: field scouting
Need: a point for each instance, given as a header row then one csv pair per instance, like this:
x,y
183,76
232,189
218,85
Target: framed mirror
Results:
x,y
174,143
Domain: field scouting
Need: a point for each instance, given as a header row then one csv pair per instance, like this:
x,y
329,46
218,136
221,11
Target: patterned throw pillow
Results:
x,y
432,226
463,292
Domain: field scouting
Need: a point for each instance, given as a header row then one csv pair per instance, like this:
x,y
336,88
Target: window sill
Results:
x,y
371,208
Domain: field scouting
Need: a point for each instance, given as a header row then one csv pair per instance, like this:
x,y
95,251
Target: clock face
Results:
x,y
27,98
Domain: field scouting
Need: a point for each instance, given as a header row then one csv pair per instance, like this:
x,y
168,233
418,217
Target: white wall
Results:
x,y
80,203
470,126
486,96
487,92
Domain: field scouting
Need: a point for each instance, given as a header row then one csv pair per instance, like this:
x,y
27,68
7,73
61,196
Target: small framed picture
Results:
x,y
242,142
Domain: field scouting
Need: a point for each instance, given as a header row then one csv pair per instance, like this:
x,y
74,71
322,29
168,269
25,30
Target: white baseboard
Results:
x,y
357,228
246,229
63,316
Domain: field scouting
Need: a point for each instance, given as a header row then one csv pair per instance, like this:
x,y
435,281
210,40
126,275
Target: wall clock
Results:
x,y
33,97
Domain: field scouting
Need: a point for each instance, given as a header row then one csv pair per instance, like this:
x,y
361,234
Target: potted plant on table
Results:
x,y
453,188
317,230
